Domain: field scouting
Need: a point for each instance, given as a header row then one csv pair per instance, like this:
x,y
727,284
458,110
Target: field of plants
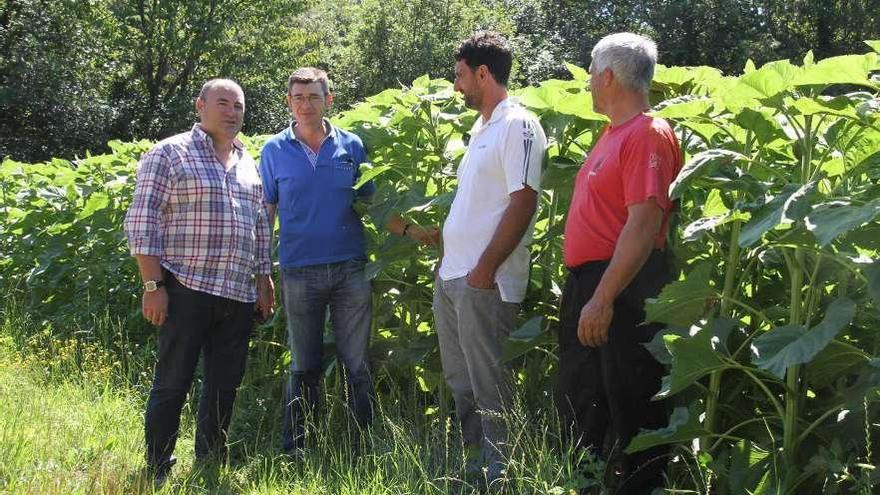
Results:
x,y
772,341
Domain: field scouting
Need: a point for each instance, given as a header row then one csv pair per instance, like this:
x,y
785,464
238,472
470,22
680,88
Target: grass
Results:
x,y
71,422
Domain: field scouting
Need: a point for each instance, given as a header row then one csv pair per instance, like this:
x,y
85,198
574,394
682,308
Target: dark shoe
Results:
x,y
296,454
162,472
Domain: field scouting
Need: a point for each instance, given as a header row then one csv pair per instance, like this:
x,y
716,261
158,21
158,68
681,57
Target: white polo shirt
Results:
x,y
504,154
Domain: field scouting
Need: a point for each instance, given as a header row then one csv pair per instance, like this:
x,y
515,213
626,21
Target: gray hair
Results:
x,y
211,84
631,57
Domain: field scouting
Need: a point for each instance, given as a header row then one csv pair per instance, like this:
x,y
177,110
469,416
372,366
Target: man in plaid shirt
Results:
x,y
200,233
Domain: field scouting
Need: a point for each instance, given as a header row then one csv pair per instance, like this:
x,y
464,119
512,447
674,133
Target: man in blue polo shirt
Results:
x,y
308,171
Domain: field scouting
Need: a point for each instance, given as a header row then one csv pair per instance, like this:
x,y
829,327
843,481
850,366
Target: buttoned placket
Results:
x,y
305,147
227,192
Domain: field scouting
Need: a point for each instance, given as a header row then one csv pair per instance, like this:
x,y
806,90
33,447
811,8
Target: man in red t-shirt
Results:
x,y
614,249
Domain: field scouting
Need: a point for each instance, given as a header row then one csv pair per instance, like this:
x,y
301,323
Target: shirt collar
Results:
x,y
292,135
500,109
203,136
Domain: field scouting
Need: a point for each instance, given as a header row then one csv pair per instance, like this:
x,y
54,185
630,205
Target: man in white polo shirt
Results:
x,y
485,267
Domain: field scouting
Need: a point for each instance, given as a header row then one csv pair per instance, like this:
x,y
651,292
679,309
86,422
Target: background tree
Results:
x,y
53,88
75,74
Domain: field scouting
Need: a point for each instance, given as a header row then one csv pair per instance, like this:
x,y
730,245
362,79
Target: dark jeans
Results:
x,y
612,385
217,328
308,293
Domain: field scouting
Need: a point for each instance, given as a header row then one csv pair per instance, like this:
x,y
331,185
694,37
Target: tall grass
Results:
x,y
71,422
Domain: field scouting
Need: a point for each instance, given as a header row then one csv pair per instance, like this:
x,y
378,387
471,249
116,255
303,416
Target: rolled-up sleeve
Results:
x,y
151,192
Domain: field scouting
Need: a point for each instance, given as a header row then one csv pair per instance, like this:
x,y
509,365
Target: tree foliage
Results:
x,y
75,74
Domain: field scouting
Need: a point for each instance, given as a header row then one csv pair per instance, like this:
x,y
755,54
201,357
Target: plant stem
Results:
x,y
792,375
715,378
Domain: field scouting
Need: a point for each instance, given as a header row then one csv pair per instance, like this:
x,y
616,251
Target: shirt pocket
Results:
x,y
343,172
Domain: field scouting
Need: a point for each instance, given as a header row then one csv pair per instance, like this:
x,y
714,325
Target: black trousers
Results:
x,y
612,385
216,328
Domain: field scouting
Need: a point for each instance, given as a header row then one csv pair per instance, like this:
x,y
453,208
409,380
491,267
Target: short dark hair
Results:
x,y
490,49
308,75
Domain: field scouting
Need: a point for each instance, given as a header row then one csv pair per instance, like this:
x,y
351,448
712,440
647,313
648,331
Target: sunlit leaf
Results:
x,y
789,345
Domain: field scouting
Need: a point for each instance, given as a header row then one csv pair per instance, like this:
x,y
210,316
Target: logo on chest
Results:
x,y
597,167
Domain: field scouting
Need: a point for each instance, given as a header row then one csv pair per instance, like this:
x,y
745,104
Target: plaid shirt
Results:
x,y
207,225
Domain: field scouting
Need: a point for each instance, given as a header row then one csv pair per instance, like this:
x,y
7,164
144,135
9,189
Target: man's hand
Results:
x,y
481,278
265,296
426,236
594,322
155,306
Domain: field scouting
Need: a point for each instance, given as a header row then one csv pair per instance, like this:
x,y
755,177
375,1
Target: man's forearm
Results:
x,y
149,267
510,230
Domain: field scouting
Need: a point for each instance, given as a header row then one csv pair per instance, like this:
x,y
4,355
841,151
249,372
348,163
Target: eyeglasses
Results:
x,y
311,99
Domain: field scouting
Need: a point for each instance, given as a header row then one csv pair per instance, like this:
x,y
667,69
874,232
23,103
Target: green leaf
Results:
x,y
371,174
97,201
769,81
740,467
835,360
577,73
830,220
684,425
872,273
874,44
867,382
683,107
845,69
760,122
692,358
702,164
683,302
791,204
531,334
789,345
695,230
840,106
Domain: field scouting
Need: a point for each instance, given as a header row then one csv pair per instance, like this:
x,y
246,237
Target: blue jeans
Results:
x,y
308,292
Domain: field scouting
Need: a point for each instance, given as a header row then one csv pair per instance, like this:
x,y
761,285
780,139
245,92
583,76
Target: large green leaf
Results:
x,y
791,204
845,69
692,358
760,122
566,97
683,107
577,73
874,44
370,174
702,164
769,81
683,302
684,425
867,382
740,467
824,105
872,273
830,220
789,345
97,201
832,362
531,334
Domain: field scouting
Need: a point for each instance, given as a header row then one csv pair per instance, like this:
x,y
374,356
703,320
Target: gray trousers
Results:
x,y
472,326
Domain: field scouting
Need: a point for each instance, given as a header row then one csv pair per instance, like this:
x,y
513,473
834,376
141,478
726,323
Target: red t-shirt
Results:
x,y
630,164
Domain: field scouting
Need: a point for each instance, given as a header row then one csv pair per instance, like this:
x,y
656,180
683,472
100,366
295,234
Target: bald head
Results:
x,y
221,108
213,84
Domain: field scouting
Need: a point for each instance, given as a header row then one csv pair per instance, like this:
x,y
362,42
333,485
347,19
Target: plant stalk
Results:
x,y
792,375
714,391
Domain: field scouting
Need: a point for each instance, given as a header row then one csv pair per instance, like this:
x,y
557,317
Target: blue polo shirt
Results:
x,y
315,202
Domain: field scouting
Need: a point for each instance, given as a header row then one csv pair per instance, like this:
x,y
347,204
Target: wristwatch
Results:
x,y
153,285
